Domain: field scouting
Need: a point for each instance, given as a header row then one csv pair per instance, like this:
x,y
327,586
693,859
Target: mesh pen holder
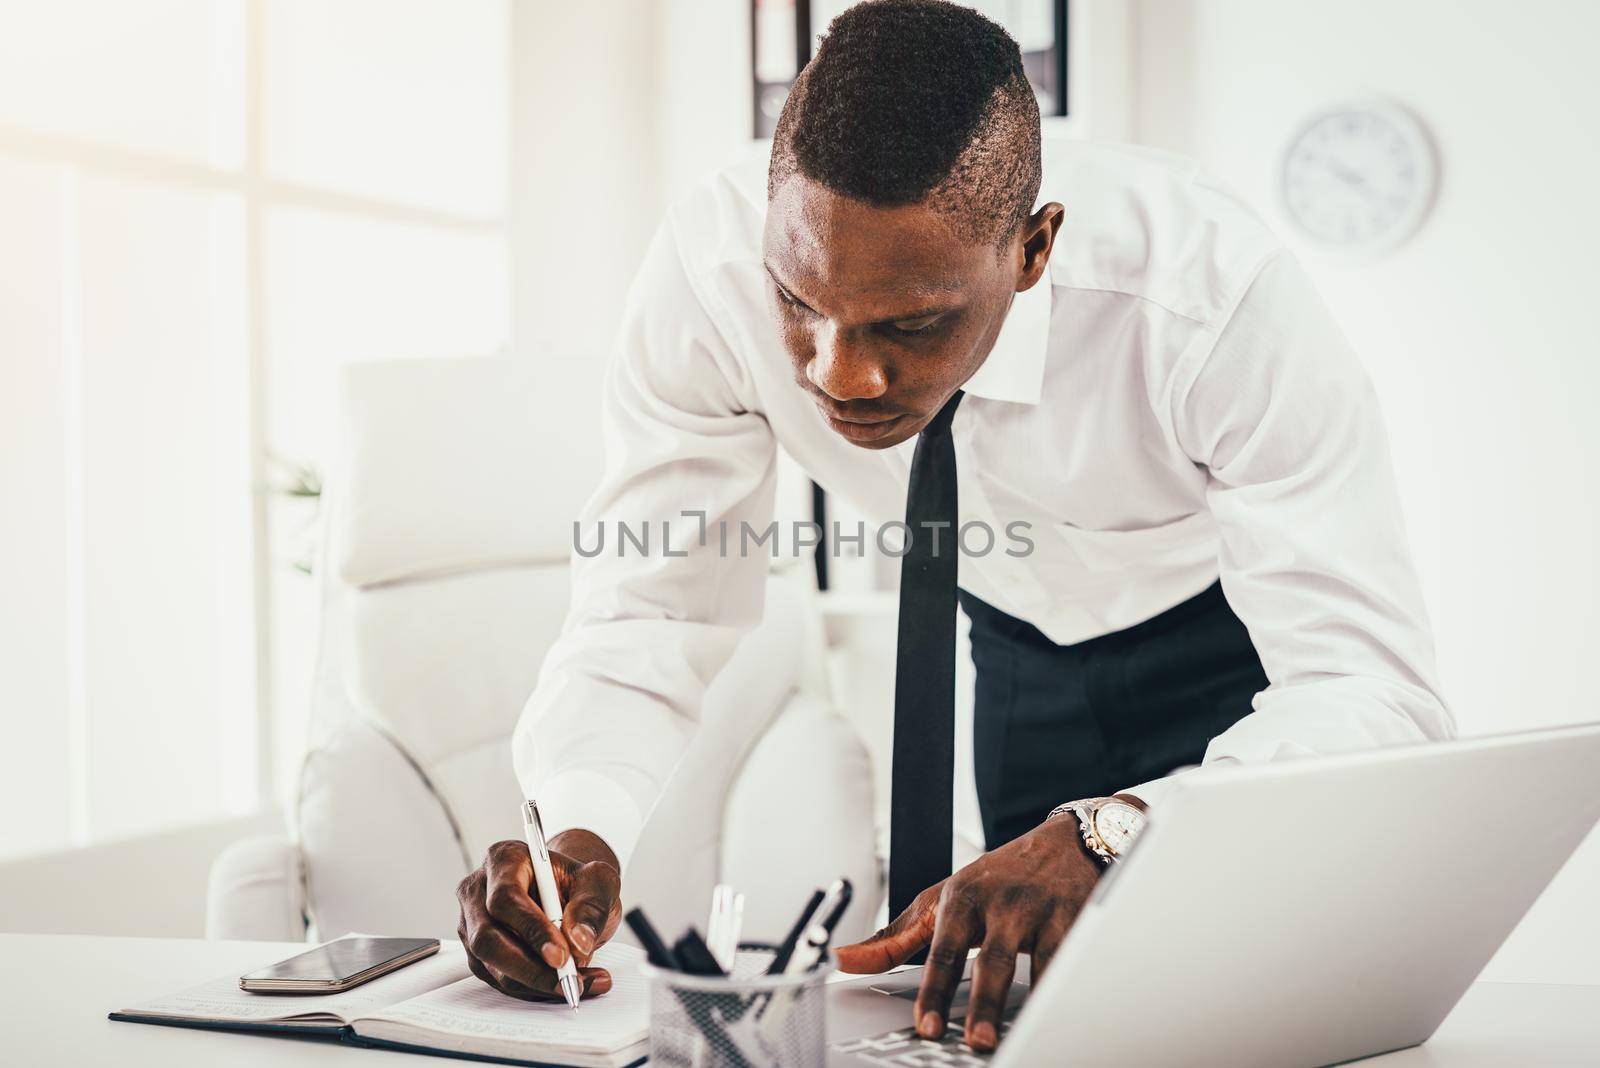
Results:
x,y
746,1020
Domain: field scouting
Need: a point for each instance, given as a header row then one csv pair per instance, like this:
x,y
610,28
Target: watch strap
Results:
x,y
1084,810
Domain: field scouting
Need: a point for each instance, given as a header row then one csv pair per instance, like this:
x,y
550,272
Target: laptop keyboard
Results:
x,y
907,1049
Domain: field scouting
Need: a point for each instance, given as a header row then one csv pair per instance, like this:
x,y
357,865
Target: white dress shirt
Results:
x,y
1171,403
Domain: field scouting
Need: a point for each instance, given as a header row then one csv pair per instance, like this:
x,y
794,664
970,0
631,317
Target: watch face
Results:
x,y
1118,823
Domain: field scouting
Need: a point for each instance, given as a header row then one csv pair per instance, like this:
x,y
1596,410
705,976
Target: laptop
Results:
x,y
1299,913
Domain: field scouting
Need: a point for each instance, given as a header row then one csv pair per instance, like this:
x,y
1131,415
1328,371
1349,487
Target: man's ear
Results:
x,y
1036,237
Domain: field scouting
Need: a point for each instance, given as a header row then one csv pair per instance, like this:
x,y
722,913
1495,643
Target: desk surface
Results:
x,y
55,992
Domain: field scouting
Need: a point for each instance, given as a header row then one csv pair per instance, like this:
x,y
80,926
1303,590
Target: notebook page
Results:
x,y
471,1009
221,999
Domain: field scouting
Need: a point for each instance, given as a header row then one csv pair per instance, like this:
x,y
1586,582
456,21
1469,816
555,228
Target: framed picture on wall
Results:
x,y
1040,27
783,34
780,46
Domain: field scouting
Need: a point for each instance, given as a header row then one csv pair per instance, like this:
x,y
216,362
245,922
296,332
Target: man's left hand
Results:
x,y
1021,898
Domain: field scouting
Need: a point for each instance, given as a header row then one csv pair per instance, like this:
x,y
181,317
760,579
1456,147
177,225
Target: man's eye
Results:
x,y
791,300
912,327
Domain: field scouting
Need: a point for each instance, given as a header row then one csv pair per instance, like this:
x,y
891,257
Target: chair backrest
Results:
x,y
444,578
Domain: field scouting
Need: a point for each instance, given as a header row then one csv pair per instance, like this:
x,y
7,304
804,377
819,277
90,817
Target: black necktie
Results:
x,y
921,810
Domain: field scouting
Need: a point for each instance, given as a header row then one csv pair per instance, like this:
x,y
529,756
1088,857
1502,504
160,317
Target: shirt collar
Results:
x,y
1014,368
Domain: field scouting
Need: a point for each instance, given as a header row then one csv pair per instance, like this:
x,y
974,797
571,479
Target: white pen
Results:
x,y
807,954
544,876
830,900
732,927
809,951
723,925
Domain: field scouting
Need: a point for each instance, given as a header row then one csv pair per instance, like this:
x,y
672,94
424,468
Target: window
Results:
x,y
207,206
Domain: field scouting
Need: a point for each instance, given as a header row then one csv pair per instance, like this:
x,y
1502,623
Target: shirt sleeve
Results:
x,y
620,691
1313,552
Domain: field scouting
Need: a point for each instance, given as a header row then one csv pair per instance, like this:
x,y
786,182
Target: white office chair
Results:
x,y
447,524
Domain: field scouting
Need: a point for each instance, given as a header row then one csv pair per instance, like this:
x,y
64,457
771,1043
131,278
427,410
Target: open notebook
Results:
x,y
437,1006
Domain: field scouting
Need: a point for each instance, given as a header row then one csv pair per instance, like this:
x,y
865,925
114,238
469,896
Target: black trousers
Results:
x,y
1054,723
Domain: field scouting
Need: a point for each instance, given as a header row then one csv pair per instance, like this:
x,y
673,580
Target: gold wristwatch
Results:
x,y
1109,824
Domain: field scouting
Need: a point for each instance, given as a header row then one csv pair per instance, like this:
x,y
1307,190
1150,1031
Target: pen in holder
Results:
x,y
744,1020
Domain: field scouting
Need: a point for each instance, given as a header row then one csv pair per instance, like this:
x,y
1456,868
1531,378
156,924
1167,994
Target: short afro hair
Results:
x,y
912,101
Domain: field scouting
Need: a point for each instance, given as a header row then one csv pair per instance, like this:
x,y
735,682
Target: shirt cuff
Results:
x,y
1148,792
1152,792
593,802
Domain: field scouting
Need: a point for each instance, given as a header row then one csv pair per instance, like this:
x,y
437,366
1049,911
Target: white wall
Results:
x,y
1479,332
585,195
618,107
703,106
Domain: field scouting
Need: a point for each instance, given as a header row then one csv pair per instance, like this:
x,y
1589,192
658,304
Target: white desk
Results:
x,y
55,992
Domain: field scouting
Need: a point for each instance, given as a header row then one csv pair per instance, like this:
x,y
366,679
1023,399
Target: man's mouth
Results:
x,y
860,427
862,420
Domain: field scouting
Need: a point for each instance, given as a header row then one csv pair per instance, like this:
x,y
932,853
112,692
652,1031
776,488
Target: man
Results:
x,y
1143,379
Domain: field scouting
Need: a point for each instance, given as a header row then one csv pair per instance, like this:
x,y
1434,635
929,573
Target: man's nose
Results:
x,y
844,369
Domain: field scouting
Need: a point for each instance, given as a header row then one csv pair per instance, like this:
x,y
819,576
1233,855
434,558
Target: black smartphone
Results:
x,y
338,965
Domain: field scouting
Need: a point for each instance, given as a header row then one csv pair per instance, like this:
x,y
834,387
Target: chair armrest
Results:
x,y
256,892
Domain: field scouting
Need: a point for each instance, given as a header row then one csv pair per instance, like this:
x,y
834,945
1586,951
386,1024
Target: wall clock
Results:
x,y
1358,178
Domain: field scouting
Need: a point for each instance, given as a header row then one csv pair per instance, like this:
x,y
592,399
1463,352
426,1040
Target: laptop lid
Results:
x,y
1314,911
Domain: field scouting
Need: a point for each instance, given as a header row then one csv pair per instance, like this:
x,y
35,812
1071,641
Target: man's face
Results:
x,y
885,312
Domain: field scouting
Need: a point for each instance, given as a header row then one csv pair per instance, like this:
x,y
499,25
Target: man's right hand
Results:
x,y
510,942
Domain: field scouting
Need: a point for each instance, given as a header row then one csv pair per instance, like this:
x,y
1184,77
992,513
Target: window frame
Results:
x,y
259,193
